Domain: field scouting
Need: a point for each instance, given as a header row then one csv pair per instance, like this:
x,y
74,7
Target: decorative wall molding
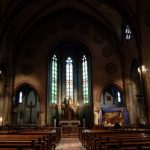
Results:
x,y
111,68
26,69
84,29
98,38
30,53
51,29
68,24
107,51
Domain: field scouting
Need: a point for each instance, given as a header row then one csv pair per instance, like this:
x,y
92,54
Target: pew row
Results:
x,y
38,140
105,139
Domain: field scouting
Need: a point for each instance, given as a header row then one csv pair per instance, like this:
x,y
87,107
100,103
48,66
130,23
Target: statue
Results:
x,y
69,109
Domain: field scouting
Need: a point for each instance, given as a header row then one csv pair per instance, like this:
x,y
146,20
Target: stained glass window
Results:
x,y
128,33
85,80
119,96
20,97
69,78
54,80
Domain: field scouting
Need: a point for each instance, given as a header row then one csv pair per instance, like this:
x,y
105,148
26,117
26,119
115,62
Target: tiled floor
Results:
x,y
70,144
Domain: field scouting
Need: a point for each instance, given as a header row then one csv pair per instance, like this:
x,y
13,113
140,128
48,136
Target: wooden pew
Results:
x,y
20,145
94,138
18,141
52,136
43,140
118,143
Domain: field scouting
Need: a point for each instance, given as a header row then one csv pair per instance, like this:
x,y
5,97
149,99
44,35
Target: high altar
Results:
x,y
69,117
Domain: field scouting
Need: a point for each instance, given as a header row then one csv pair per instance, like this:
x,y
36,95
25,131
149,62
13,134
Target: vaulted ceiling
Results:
x,y
18,17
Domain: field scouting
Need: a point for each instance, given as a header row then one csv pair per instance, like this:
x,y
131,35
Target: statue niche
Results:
x,y
69,109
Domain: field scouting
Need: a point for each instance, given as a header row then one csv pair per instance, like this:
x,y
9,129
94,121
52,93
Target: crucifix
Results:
x,y
31,106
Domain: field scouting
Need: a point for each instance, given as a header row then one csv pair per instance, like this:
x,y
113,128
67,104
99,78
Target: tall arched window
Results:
x,y
112,96
20,97
85,83
69,78
118,96
54,85
128,33
68,74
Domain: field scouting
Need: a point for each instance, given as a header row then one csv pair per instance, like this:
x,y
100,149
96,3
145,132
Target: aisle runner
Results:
x,y
70,144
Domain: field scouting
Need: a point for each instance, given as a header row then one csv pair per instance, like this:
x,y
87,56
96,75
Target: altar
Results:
x,y
69,122
69,127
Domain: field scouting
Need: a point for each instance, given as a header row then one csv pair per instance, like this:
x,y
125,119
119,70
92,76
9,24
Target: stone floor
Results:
x,y
70,144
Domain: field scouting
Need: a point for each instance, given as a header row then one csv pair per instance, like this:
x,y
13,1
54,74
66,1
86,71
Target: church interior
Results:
x,y
74,67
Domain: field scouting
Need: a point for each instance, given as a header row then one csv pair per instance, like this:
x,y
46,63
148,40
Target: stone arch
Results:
x,y
112,90
25,106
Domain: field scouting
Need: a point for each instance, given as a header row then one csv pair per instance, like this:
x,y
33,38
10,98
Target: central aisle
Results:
x,y
70,144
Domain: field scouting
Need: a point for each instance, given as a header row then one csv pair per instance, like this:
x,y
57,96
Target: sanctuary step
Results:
x,y
70,144
69,135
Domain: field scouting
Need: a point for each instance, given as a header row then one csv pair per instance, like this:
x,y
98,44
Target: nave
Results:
x,y
71,65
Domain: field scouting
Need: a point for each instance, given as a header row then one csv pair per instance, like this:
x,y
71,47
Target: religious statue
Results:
x,y
69,109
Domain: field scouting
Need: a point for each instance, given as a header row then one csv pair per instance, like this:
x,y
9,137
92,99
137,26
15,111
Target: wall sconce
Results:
x,y
142,69
1,119
1,75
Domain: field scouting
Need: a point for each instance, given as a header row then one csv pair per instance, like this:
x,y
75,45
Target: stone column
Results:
x,y
7,105
131,105
145,76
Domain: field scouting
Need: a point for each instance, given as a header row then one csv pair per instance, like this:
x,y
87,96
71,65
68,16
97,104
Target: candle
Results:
x,y
54,122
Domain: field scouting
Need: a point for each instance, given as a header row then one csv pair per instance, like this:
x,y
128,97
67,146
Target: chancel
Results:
x,y
69,116
70,70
